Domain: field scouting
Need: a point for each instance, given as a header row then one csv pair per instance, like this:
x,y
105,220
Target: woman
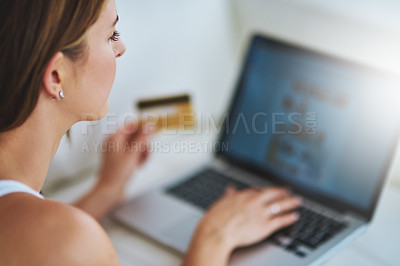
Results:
x,y
57,68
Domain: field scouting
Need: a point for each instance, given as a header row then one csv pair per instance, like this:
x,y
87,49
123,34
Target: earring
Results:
x,y
61,93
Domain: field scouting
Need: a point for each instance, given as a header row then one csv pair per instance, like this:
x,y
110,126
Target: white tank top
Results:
x,y
11,186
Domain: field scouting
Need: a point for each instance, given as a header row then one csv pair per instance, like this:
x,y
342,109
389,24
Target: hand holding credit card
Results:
x,y
167,113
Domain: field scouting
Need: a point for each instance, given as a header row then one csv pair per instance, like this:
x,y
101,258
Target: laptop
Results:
x,y
325,127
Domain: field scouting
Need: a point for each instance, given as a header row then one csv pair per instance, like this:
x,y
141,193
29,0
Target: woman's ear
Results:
x,y
52,77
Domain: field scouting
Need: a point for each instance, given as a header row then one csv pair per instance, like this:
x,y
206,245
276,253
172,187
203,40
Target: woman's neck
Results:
x,y
26,151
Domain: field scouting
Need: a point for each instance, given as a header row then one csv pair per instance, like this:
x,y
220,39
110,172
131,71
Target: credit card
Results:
x,y
167,113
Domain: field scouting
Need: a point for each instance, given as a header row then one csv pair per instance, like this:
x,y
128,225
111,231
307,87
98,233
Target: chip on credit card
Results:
x,y
167,113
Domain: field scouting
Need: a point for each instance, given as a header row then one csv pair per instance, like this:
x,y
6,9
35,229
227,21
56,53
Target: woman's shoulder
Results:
x,y
50,233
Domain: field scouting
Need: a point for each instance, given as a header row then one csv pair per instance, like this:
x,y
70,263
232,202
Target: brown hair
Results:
x,y
31,32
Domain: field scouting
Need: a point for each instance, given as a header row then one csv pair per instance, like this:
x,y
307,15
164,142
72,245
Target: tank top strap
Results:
x,y
12,186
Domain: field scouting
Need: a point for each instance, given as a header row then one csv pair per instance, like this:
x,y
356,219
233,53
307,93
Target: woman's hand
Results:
x,y
240,218
123,153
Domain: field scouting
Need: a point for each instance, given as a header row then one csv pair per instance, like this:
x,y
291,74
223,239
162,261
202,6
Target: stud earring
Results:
x,y
61,93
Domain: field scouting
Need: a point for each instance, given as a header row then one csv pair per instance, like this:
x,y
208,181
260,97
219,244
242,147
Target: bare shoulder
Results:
x,y
45,232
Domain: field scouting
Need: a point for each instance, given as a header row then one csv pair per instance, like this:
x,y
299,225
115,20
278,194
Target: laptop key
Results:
x,y
300,254
311,230
205,188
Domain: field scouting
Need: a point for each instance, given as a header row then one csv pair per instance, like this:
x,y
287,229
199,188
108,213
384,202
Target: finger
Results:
x,y
140,143
132,125
136,139
230,190
144,132
149,128
250,193
282,221
151,131
143,158
127,130
145,154
139,147
251,190
284,205
270,194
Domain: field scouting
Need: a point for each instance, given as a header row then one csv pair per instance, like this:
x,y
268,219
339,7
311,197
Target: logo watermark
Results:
x,y
206,123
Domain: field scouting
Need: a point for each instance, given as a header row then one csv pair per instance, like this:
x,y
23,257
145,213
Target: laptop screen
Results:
x,y
314,121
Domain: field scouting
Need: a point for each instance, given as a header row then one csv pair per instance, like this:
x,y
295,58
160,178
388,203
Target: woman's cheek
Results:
x,y
108,73
112,71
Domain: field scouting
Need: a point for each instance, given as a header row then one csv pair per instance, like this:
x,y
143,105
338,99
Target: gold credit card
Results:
x,y
167,113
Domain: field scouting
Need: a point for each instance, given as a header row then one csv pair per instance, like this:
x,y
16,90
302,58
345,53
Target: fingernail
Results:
x,y
298,200
295,216
229,190
150,128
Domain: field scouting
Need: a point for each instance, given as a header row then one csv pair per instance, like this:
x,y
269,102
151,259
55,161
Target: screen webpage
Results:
x,y
314,121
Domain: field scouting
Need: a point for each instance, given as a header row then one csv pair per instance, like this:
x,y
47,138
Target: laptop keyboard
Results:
x,y
310,231
205,188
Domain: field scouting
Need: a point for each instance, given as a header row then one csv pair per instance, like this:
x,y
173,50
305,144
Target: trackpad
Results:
x,y
181,232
